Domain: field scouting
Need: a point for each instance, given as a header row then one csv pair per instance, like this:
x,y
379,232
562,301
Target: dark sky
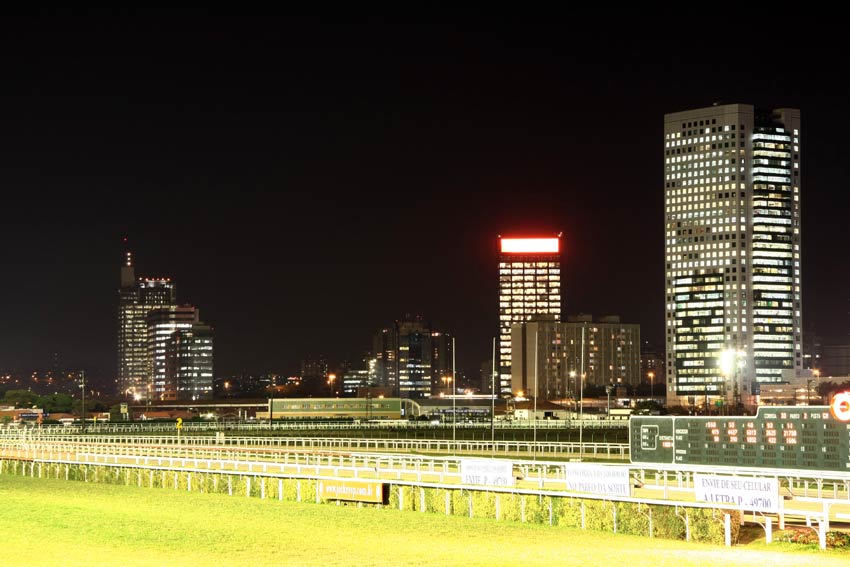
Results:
x,y
307,182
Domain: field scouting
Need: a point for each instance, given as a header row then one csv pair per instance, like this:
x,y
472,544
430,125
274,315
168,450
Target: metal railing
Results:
x,y
291,425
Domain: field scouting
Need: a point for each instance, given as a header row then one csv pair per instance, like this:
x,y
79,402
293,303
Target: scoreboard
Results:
x,y
795,437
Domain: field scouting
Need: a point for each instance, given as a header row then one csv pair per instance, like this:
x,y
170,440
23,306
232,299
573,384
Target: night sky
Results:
x,y
306,183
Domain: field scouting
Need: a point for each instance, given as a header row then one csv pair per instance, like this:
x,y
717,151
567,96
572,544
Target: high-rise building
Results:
x,y
162,323
136,299
385,350
529,285
732,252
189,364
442,363
414,357
314,370
607,350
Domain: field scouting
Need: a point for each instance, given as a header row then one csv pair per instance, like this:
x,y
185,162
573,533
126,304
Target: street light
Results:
x,y
573,392
651,384
730,362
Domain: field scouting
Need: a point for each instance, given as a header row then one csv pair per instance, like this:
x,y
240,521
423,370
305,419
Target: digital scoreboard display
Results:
x,y
795,437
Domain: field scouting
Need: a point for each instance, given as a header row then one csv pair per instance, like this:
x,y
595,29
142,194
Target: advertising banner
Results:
x,y
489,472
598,479
756,494
354,490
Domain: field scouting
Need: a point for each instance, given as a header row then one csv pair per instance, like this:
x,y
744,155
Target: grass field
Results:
x,y
56,522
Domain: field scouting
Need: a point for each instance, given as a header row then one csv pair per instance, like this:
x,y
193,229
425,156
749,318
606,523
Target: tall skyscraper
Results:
x,y
732,252
529,285
136,299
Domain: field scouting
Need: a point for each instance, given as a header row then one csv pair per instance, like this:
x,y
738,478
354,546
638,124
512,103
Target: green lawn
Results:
x,y
56,522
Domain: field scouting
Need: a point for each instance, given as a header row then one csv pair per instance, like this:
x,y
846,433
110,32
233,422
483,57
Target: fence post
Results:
x,y
522,508
687,526
727,529
280,489
650,522
421,499
614,509
822,527
768,530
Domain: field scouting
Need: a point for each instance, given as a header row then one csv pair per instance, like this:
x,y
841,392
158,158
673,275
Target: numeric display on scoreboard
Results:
x,y
806,437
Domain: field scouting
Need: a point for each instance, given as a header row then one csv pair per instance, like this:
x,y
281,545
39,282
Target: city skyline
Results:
x,y
306,192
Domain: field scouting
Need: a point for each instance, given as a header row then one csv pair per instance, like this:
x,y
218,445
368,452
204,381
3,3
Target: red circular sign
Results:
x,y
840,406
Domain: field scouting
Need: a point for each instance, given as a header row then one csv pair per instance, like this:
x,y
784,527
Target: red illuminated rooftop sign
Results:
x,y
530,245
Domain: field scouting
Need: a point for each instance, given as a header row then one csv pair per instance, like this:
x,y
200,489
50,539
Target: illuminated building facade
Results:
x,y
189,364
414,358
611,355
529,286
136,299
162,323
732,252
385,350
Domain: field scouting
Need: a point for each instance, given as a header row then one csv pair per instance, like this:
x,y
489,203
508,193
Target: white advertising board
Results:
x,y
489,472
598,479
756,494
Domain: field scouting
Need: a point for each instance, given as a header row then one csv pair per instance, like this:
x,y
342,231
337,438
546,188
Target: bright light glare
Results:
x,y
530,245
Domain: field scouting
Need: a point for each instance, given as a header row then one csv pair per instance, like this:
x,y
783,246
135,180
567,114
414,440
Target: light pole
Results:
x,y
608,390
83,409
651,384
581,400
454,388
493,402
534,424
573,390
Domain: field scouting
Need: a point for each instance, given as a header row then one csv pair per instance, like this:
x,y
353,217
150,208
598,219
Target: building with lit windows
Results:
x,y
442,364
385,351
412,359
137,297
733,294
552,354
189,364
162,323
529,286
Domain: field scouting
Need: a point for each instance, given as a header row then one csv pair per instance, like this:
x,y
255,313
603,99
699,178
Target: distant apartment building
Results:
x,y
551,355
413,359
162,323
189,364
